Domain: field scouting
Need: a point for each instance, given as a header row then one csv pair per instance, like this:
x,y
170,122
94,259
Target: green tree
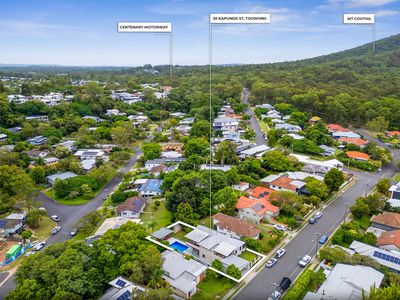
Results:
x,y
200,128
277,161
184,213
360,209
233,271
384,293
334,179
38,174
378,124
317,188
61,151
225,152
196,146
225,200
383,185
151,150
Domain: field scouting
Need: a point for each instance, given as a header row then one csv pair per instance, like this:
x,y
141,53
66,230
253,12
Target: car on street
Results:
x,y
305,261
313,220
318,215
73,232
55,218
39,246
280,253
285,283
270,263
280,227
323,239
55,230
275,296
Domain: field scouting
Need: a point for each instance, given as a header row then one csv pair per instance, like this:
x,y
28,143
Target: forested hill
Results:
x,y
351,87
389,44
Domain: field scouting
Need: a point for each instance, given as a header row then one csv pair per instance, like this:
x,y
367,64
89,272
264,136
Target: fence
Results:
x,y
10,260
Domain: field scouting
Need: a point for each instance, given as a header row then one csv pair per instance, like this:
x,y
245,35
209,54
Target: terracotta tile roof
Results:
x,y
357,154
158,169
390,219
259,206
389,238
354,141
261,192
284,182
134,204
336,127
393,133
238,226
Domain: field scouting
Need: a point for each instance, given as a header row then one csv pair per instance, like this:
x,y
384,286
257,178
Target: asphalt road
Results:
x,y
305,242
71,214
259,138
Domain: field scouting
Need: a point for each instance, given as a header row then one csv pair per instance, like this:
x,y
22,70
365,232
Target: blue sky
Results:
x,y
84,32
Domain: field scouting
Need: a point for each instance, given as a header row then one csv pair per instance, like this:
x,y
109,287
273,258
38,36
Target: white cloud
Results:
x,y
340,4
386,13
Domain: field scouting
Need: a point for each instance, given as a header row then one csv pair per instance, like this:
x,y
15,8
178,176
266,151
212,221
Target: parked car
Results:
x,y
275,296
285,283
280,227
39,246
318,215
305,261
55,218
270,263
280,253
313,220
323,239
74,232
55,230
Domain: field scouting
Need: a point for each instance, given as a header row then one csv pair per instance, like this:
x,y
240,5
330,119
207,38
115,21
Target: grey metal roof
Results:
x,y
239,262
197,235
61,176
161,233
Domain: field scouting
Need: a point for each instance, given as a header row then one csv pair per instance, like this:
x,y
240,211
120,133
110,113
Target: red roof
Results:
x,y
389,238
386,218
261,192
336,127
134,204
238,226
357,155
285,183
259,206
393,133
354,141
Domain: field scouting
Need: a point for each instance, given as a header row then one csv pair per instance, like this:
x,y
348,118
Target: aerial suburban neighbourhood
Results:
x,y
135,168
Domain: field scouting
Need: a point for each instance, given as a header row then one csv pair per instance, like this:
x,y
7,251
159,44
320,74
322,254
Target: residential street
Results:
x,y
263,284
259,138
70,214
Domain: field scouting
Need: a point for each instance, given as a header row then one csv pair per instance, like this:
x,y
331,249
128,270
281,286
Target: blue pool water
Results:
x,y
178,246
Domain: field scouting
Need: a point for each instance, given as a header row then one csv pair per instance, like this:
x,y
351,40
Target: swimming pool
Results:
x,y
179,246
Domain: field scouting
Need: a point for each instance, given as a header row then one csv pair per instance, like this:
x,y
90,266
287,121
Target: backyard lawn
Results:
x,y
213,288
248,256
161,216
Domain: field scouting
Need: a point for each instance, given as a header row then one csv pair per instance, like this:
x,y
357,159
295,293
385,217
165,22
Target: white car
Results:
x,y
280,227
280,253
39,246
305,261
55,218
270,263
275,296
55,230
318,215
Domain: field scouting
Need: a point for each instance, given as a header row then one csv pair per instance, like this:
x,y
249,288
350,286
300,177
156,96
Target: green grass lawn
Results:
x,y
180,235
76,201
205,221
397,177
248,256
263,126
213,288
162,216
45,226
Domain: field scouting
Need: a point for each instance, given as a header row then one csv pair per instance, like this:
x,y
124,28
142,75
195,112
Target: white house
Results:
x,y
18,99
84,154
131,208
288,127
254,151
225,124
